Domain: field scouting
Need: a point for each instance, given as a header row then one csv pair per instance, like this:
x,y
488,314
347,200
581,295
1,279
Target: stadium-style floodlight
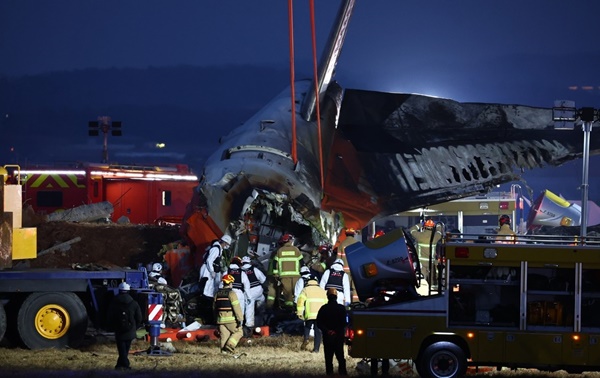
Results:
x,y
105,125
564,114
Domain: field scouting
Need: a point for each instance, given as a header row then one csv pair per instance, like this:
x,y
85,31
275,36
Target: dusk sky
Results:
x,y
428,47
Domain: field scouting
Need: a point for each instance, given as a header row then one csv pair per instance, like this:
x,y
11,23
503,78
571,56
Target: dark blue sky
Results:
x,y
468,50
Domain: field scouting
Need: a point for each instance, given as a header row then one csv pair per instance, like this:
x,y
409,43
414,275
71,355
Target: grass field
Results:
x,y
265,357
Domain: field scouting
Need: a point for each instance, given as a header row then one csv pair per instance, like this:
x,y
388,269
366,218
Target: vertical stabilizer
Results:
x,y
329,58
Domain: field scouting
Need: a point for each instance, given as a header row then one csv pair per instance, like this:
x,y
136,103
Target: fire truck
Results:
x,y
143,194
528,303
52,308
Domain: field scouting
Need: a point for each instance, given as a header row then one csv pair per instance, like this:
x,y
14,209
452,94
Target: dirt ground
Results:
x,y
106,244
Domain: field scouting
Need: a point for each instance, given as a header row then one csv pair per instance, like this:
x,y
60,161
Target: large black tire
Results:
x,y
52,320
2,322
442,360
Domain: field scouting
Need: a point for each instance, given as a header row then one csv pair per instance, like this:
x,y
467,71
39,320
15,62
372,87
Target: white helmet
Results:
x,y
246,260
339,261
304,270
157,267
124,286
226,239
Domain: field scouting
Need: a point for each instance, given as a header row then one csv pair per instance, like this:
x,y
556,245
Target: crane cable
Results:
x,y
292,78
316,81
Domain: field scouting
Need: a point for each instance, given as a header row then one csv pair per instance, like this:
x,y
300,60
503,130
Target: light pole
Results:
x,y
105,125
588,116
565,113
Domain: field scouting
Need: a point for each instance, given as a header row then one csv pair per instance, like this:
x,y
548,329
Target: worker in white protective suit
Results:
x,y
255,296
336,278
210,272
156,274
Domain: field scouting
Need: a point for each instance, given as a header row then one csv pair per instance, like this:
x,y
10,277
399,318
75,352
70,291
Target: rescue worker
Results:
x,y
241,284
304,276
210,272
505,233
310,300
423,236
322,260
255,295
173,302
286,268
341,254
332,320
229,316
336,278
156,274
124,306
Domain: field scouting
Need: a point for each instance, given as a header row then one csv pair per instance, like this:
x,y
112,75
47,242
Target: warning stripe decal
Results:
x,y
47,181
155,312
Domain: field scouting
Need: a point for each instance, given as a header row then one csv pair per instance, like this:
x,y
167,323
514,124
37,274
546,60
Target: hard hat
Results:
x,y
313,278
324,248
286,238
236,260
246,260
350,231
379,233
227,279
124,286
429,224
157,267
226,239
504,219
339,261
332,291
304,270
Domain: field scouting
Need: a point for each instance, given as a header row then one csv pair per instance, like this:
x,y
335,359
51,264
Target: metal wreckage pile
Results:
x,y
258,236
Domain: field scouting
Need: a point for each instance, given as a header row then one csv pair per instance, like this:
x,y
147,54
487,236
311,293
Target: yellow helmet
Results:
x,y
227,279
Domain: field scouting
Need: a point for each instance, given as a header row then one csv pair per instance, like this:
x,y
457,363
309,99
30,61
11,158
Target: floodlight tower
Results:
x,y
564,113
588,116
105,125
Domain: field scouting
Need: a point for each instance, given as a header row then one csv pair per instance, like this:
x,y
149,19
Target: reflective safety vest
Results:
x,y
336,280
254,282
237,278
310,300
287,261
225,300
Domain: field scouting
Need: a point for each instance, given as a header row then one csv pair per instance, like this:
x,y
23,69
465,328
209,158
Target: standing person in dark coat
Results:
x,y
332,321
124,317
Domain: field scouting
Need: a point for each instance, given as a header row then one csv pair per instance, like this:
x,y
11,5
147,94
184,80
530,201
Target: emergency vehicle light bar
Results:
x,y
47,172
146,176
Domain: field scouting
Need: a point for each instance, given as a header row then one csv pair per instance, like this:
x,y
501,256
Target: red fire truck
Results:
x,y
143,194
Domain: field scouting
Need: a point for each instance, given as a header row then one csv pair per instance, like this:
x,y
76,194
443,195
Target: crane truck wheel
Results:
x,y
2,322
52,320
442,359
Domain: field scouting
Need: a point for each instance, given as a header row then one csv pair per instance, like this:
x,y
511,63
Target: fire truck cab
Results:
x,y
531,303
